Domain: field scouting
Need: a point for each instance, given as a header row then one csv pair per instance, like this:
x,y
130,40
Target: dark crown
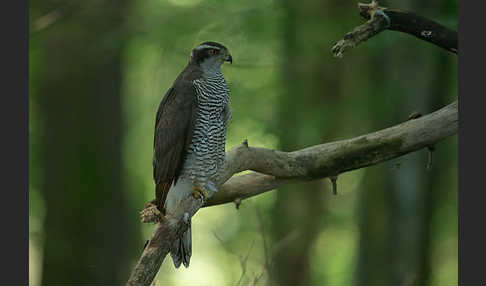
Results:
x,y
201,52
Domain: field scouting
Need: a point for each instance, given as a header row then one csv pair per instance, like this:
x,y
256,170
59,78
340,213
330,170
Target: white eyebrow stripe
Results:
x,y
206,46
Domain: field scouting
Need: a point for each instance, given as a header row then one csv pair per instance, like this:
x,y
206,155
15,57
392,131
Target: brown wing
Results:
x,y
174,127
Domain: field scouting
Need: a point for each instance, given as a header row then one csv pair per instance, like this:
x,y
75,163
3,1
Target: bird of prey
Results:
x,y
190,133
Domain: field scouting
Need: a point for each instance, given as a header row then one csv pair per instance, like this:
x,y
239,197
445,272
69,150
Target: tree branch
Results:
x,y
380,19
275,168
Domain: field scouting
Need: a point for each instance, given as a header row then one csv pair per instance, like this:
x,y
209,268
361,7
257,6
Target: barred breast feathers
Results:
x,y
206,152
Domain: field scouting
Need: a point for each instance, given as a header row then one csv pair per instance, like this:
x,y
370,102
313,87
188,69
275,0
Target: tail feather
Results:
x,y
182,249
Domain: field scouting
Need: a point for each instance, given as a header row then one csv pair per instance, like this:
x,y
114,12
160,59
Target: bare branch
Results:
x,y
170,227
275,168
380,19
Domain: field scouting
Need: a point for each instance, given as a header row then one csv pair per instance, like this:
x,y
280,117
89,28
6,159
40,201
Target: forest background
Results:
x,y
97,72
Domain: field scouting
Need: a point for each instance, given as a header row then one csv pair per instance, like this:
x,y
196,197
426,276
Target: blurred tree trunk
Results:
x,y
399,200
414,195
444,159
87,233
306,108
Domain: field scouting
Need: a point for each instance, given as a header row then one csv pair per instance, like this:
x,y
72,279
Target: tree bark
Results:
x,y
274,169
381,19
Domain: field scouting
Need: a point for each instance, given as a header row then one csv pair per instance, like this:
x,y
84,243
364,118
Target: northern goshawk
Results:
x,y
190,132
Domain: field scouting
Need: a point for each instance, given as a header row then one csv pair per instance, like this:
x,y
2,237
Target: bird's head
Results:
x,y
210,55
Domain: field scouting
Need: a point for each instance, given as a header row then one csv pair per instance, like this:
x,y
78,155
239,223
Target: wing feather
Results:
x,y
174,126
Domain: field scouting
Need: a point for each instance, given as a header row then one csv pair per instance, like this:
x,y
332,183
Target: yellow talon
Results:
x,y
199,193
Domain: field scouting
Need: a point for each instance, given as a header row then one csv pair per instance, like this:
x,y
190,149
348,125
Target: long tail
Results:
x,y
182,249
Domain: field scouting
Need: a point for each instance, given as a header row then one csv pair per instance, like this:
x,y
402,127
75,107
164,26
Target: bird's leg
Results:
x,y
204,193
199,193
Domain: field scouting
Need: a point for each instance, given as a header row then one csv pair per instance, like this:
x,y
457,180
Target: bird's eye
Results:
x,y
213,52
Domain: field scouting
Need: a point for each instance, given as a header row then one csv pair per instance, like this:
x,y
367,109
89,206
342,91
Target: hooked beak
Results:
x,y
229,58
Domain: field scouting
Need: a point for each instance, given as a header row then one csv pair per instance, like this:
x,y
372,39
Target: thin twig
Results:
x,y
334,184
430,150
258,277
243,259
243,263
262,233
